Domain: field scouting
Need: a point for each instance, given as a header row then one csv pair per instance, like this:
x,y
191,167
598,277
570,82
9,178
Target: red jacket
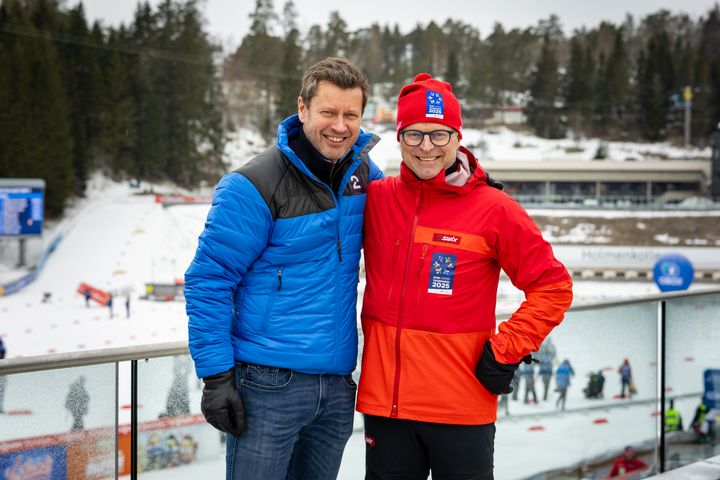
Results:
x,y
433,254
625,465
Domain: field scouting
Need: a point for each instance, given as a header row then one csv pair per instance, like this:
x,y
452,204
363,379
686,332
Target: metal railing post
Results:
x,y
117,419
133,419
660,440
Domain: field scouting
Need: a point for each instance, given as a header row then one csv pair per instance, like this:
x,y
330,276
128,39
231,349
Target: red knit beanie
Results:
x,y
427,100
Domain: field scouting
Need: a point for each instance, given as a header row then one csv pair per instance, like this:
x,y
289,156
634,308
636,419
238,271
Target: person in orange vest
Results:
x,y
435,240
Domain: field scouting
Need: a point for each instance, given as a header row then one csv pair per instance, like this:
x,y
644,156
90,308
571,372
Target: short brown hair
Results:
x,y
338,71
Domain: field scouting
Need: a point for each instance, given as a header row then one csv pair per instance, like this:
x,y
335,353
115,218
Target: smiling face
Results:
x,y
331,120
426,160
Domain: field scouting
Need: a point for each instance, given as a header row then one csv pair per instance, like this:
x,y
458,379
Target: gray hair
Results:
x,y
338,71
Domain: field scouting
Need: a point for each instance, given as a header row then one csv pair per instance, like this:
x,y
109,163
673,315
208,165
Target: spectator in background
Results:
x,y
546,357
673,420
77,402
563,376
87,296
596,383
127,305
503,402
110,304
527,372
701,423
545,369
515,385
625,372
627,463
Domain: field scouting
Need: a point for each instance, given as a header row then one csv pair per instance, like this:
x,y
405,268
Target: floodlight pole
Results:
x,y
21,252
687,96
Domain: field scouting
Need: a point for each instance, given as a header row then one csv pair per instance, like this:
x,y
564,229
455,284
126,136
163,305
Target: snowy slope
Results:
x,y
118,242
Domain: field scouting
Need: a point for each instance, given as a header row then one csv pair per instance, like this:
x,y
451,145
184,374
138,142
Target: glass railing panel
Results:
x,y
172,433
59,424
692,349
595,424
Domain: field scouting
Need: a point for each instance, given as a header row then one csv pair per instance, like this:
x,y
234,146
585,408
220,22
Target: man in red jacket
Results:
x,y
435,240
627,463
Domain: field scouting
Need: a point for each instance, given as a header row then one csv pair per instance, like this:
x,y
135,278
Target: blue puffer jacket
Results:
x,y
274,278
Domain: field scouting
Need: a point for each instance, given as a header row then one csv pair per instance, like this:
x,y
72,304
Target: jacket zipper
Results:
x,y
422,259
421,265
396,384
271,302
396,253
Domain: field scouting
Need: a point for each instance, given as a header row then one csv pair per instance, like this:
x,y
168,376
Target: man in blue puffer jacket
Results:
x,y
271,292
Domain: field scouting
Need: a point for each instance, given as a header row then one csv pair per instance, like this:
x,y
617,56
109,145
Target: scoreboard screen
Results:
x,y
21,209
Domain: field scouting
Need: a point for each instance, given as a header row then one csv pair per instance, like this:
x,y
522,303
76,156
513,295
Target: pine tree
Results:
x,y
150,154
52,128
291,68
5,119
612,89
315,41
426,50
368,55
655,85
117,134
336,38
83,84
578,86
37,139
543,115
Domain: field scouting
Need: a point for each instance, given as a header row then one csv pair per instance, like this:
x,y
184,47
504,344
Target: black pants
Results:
x,y
409,450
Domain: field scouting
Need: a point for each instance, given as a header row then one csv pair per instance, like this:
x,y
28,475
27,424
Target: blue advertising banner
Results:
x,y
673,272
46,463
711,397
21,208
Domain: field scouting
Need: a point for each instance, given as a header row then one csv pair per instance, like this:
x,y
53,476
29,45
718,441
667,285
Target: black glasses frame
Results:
x,y
429,134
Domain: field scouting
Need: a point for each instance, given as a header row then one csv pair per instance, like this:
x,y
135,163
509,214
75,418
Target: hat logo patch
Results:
x,y
434,105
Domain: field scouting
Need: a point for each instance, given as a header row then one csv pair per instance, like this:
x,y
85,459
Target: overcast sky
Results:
x,y
228,19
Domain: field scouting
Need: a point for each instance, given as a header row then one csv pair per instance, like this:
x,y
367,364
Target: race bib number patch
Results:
x,y
442,273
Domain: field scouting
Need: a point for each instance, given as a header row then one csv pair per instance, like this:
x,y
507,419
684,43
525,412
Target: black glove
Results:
x,y
496,377
222,404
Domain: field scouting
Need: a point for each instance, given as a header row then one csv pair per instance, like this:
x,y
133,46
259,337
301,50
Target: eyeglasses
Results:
x,y
439,138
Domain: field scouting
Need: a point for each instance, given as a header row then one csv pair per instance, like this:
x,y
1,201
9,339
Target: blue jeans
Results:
x,y
297,424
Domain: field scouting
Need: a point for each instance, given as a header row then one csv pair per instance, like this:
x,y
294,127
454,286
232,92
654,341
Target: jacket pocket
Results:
x,y
274,292
393,269
265,378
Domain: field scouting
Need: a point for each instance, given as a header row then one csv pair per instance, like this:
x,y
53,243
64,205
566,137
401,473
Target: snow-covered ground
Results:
x,y
118,240
499,143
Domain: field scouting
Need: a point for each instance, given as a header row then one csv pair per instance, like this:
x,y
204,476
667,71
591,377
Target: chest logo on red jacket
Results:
x,y
442,273
446,238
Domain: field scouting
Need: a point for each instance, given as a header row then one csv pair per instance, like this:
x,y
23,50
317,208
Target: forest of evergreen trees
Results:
x,y
612,81
144,100
137,102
